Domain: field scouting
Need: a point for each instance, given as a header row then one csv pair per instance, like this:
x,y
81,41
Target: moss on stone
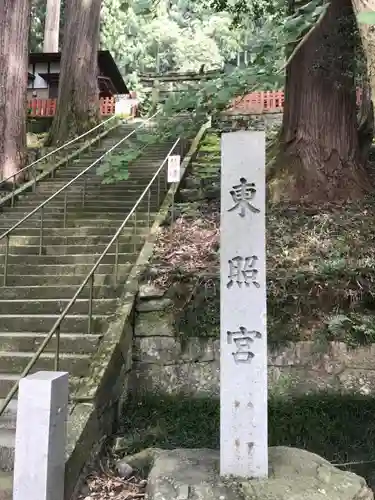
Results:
x,y
201,315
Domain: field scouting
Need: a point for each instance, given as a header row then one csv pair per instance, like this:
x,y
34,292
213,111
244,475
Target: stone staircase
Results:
x,y
40,286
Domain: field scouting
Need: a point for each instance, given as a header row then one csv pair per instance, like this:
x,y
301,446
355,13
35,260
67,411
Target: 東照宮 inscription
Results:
x,y
243,340
242,271
242,196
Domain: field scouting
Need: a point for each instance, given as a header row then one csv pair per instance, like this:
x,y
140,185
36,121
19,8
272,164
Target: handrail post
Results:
x,y
166,178
6,257
33,173
41,231
57,351
65,208
84,190
116,259
13,189
158,194
135,232
91,293
148,206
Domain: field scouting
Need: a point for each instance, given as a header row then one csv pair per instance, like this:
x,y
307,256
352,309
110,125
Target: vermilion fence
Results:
x,y
255,102
47,107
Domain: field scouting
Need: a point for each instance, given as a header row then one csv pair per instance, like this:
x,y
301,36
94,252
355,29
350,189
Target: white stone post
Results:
x,y
42,412
243,344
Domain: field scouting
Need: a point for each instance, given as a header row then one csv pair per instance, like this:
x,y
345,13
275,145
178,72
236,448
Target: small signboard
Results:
x,y
123,105
174,167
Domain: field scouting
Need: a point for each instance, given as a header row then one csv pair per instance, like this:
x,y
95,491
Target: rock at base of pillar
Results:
x,y
184,474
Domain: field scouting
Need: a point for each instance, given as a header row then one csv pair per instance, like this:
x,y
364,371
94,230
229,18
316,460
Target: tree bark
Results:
x,y
52,26
367,34
78,99
365,121
319,159
14,31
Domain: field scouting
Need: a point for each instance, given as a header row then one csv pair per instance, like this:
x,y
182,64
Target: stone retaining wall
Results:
x,y
165,361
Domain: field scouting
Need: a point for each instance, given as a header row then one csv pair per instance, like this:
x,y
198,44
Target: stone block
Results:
x,y
159,350
149,292
197,350
295,380
42,414
154,324
154,305
191,379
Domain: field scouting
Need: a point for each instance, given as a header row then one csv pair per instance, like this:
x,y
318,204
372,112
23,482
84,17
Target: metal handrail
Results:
x,y
90,278
16,174
40,207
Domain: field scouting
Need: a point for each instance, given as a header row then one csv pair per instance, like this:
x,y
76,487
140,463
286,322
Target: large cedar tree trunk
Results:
x,y
320,158
14,31
78,99
52,26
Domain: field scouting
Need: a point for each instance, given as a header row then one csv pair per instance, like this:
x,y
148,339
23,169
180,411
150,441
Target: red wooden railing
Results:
x,y
255,102
41,107
266,102
47,107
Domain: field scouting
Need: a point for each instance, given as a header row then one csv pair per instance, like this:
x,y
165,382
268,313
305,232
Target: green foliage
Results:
x,y
366,17
244,11
115,167
353,328
180,35
265,69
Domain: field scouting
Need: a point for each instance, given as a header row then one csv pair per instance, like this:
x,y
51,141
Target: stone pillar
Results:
x,y
243,341
42,413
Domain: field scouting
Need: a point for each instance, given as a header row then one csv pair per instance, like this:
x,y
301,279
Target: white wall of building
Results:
x,y
39,83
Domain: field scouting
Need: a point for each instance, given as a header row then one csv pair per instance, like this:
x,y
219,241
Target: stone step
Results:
x,y
43,323
78,343
57,292
89,259
88,240
91,201
15,362
29,249
153,154
137,173
94,231
101,220
62,280
87,210
7,381
76,209
93,185
9,417
78,213
91,165
63,269
6,485
91,193
7,444
55,306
